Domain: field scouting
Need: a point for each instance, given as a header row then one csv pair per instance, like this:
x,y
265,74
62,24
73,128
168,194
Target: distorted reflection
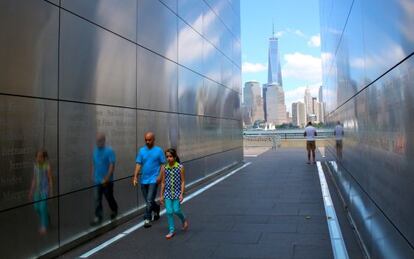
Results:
x,y
339,134
102,174
41,188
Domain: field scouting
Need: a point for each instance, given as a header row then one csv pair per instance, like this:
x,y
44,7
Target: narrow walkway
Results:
x,y
273,208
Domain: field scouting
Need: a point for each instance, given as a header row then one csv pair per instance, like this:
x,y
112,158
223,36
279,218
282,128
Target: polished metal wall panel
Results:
x,y
213,93
99,68
189,132
388,41
117,16
26,125
191,94
192,11
29,48
194,170
226,72
212,62
123,69
172,4
79,124
163,125
20,235
212,27
157,28
157,82
378,146
190,48
350,61
77,209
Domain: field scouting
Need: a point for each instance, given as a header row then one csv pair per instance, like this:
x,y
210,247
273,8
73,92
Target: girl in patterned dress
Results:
x,y
172,190
41,188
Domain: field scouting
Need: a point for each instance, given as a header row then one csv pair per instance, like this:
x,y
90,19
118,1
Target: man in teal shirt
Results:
x,y
103,174
149,160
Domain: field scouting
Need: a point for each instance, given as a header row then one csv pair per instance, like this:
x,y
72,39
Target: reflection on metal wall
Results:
x,y
368,69
72,68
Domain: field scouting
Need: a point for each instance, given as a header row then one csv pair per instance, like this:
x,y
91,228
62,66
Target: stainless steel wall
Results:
x,y
70,68
368,75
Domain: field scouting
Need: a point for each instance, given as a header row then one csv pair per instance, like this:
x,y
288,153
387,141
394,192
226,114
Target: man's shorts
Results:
x,y
310,145
339,143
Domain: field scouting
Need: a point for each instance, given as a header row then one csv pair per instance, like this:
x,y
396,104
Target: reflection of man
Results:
x,y
339,133
102,173
148,162
310,134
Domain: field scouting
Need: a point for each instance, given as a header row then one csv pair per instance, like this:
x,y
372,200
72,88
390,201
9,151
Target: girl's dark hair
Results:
x,y
43,152
173,152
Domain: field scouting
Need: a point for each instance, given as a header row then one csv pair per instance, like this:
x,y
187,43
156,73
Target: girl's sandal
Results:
x,y
185,225
169,235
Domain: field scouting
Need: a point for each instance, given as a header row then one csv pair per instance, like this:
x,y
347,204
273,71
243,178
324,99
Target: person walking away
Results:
x,y
172,190
103,168
41,188
310,134
339,134
149,160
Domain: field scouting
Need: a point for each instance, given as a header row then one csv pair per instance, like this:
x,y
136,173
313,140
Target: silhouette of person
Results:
x,y
103,173
41,188
339,134
310,134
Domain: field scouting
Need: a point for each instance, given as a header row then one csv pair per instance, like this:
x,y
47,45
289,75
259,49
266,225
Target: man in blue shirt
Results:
x,y
149,160
103,173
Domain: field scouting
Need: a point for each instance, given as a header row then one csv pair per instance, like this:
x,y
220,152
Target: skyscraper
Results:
x,y
274,75
275,108
275,102
308,102
253,101
298,114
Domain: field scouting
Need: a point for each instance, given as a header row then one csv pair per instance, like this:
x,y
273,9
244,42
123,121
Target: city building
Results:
x,y
70,69
275,104
275,109
253,100
298,114
308,102
373,99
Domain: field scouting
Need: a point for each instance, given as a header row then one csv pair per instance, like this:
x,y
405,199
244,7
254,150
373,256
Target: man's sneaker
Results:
x,y
147,223
114,215
96,221
157,215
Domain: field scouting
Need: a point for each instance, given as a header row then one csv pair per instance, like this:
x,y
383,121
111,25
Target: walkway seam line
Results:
x,y
141,224
335,233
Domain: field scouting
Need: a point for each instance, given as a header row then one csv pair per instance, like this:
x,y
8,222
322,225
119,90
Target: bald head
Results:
x,y
100,139
149,139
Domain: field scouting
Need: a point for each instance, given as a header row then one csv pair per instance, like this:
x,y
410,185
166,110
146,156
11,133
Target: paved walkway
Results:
x,y
273,208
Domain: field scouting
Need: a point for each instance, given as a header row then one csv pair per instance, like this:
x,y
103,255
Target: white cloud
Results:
x,y
296,32
315,41
298,94
248,67
302,66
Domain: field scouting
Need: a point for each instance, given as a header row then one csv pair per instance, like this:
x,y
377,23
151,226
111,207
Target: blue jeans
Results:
x,y
149,192
173,207
108,191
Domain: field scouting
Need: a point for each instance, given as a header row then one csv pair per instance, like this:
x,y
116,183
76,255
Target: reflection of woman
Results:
x,y
41,188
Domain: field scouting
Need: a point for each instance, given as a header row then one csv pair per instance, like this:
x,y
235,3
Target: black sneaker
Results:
x,y
147,223
96,221
157,215
114,215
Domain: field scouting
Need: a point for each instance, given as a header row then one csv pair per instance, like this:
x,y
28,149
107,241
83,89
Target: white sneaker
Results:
x,y
147,223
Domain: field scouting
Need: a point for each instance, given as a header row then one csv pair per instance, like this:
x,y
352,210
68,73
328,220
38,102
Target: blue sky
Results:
x,y
297,26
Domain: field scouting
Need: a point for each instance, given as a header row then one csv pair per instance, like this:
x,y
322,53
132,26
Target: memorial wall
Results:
x,y
72,68
368,84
